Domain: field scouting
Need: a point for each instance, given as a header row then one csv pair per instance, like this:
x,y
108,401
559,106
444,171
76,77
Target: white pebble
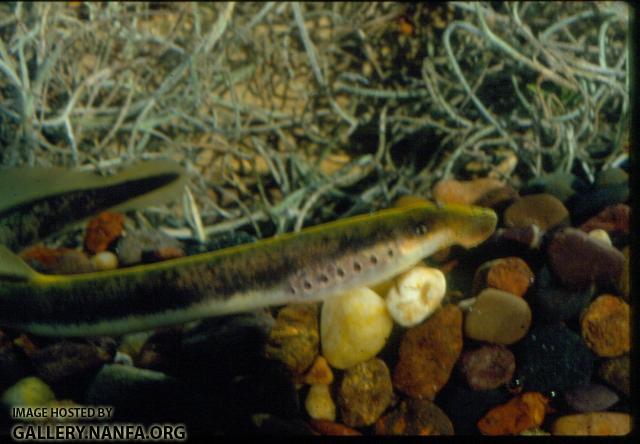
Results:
x,y
416,295
319,403
354,326
600,234
104,261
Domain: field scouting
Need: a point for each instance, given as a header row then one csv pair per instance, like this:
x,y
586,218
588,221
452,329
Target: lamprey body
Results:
x,y
307,266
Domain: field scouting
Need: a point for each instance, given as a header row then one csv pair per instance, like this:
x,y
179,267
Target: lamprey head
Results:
x,y
442,225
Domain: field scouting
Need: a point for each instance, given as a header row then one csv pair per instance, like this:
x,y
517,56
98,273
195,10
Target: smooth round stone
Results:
x,y
582,206
487,367
497,317
29,392
601,235
578,260
590,398
498,198
104,261
552,357
561,185
137,244
551,302
416,295
593,424
617,373
611,176
131,391
354,327
543,210
364,393
319,404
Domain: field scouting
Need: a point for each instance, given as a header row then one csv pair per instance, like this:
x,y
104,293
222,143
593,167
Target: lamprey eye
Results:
x,y
421,229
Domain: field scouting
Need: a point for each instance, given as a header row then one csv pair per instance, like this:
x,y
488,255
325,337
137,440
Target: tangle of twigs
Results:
x,y
288,114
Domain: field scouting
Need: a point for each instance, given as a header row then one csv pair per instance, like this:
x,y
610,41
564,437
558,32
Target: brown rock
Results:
x,y
295,337
522,412
56,260
613,219
428,353
497,317
102,230
578,261
364,393
606,326
415,417
330,428
592,424
542,210
65,360
510,274
487,367
498,198
451,191
616,372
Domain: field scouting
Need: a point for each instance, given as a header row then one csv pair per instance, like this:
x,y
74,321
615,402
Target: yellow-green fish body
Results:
x,y
307,266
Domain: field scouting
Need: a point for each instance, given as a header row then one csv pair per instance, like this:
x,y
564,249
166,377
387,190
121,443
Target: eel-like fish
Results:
x,y
307,266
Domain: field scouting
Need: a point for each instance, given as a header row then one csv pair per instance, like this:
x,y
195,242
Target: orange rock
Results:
x,y
522,412
428,353
102,230
417,417
593,424
319,373
330,428
606,326
464,192
510,274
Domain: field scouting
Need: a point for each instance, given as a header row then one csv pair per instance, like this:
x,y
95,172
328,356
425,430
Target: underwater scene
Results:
x,y
320,219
